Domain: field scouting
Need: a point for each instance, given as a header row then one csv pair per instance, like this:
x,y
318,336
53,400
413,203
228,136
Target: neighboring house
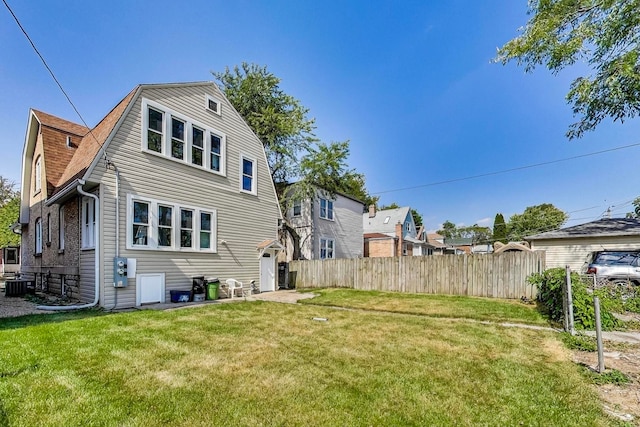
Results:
x,y
170,185
328,227
437,242
9,260
392,232
572,245
458,245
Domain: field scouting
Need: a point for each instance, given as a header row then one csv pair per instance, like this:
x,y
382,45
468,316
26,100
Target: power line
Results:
x,y
52,74
449,181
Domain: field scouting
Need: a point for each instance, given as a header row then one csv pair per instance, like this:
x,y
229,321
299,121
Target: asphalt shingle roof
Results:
x,y
377,223
602,227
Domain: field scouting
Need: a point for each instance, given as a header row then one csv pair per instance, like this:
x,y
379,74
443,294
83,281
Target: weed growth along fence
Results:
x,y
498,276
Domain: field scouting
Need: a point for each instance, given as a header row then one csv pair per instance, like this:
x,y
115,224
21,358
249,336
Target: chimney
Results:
x,y
399,238
372,211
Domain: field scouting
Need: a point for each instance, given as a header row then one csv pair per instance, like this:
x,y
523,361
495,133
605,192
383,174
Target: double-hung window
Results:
x,y
140,223
186,228
205,230
163,225
155,129
216,152
179,138
88,222
165,228
197,146
38,236
297,208
326,209
327,247
247,174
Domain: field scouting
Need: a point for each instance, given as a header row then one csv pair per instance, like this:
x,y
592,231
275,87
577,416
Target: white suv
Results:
x,y
619,267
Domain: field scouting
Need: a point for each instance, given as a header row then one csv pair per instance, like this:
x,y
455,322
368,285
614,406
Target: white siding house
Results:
x,y
174,181
573,246
328,227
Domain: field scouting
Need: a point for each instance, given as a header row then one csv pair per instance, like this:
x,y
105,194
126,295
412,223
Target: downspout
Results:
x,y
97,259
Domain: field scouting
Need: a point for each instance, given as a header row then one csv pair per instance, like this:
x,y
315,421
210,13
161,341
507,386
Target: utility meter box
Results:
x,y
120,272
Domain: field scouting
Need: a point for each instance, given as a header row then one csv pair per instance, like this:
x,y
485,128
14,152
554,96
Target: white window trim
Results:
x,y
326,248
218,103
38,236
189,124
254,178
327,210
88,230
152,231
37,187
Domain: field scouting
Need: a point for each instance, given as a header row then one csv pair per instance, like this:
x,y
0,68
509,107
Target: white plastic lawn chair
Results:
x,y
235,285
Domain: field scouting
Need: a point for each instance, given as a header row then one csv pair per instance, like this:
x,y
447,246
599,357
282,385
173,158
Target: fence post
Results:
x,y
596,304
569,297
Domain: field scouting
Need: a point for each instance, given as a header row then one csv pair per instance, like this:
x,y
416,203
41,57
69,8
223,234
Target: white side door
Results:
x,y
267,272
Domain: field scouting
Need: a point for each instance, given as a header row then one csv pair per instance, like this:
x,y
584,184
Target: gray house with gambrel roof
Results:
x,y
573,245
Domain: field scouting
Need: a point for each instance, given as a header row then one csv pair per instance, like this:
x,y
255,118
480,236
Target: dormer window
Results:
x,y
213,105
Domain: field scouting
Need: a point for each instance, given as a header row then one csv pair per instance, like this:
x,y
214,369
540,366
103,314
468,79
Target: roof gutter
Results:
x,y
73,185
97,228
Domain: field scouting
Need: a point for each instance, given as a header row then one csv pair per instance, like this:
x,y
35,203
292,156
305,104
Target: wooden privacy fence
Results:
x,y
498,276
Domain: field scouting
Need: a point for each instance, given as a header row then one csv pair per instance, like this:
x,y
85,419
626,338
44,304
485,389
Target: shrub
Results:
x,y
550,284
579,342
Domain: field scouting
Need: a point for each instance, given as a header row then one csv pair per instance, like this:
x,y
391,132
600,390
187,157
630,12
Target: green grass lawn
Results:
x,y
447,306
268,364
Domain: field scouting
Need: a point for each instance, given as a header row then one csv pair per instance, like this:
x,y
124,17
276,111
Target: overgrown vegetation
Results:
x,y
609,376
579,342
550,289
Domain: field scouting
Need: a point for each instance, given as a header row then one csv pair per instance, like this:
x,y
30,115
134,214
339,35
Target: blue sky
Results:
x,y
410,84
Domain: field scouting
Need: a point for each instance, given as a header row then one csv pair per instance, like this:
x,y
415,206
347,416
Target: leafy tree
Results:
x,y
535,219
449,230
636,209
603,33
7,190
417,218
278,119
9,213
476,233
499,229
293,152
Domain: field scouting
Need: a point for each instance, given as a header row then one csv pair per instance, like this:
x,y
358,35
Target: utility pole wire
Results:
x,y
51,73
508,170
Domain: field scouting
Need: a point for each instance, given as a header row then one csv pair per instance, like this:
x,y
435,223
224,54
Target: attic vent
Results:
x,y
68,141
386,220
212,104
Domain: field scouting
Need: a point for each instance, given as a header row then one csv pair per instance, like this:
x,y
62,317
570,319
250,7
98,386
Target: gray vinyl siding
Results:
x,y
345,229
574,252
243,220
303,224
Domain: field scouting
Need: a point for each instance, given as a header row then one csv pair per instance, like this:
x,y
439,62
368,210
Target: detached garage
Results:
x,y
573,246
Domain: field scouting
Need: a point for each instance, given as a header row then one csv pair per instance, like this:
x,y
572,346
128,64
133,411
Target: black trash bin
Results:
x,y
198,289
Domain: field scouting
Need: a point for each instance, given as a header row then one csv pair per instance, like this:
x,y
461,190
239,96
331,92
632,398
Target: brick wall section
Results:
x,y
381,247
